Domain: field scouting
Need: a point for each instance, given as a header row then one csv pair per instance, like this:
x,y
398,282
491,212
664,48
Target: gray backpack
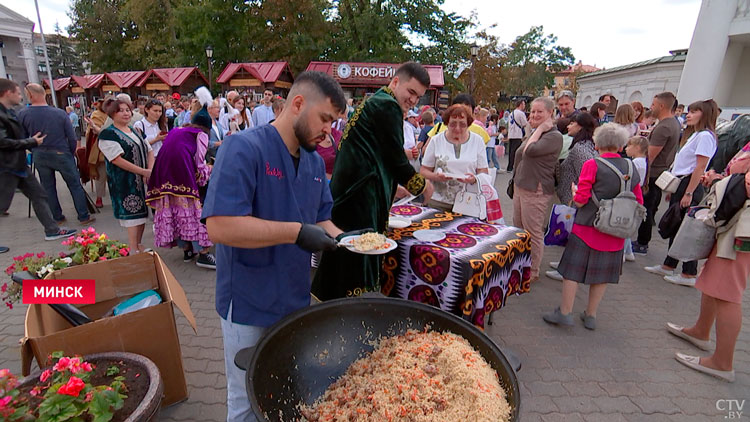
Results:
x,y
622,215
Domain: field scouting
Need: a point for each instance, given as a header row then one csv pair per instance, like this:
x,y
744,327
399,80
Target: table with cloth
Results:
x,y
470,273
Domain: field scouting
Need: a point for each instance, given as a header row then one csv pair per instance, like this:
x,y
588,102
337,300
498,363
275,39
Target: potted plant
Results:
x,y
87,247
104,387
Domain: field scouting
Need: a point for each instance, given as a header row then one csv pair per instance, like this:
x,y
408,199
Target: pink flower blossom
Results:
x,y
87,367
18,258
72,388
4,372
123,252
62,364
4,288
9,304
62,255
45,375
40,255
89,396
36,391
102,258
4,401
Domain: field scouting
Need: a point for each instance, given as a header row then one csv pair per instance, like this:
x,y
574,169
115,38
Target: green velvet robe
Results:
x,y
370,164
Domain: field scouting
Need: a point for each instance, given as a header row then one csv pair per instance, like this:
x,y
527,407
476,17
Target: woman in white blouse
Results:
x,y
454,157
153,126
697,148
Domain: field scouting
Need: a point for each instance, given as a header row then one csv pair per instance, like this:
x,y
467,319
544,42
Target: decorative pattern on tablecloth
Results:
x,y
471,272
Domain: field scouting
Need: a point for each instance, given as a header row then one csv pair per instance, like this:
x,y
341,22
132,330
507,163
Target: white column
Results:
x,y
3,73
30,59
728,73
707,50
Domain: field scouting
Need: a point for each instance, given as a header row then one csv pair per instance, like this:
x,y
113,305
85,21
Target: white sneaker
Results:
x,y
659,270
680,280
629,257
554,275
554,265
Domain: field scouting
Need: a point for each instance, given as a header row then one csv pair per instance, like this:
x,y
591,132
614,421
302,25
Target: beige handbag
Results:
x,y
668,182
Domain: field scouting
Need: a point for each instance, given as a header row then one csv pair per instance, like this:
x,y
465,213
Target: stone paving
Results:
x,y
623,371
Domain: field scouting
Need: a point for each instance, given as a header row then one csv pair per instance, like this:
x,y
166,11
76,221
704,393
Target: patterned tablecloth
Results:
x,y
470,273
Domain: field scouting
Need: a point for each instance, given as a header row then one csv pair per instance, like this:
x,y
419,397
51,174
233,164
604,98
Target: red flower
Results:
x,y
36,391
25,268
62,364
87,367
40,255
45,375
72,388
4,288
4,401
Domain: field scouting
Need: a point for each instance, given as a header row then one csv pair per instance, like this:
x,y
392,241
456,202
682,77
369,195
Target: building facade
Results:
x,y
19,61
634,82
718,62
567,78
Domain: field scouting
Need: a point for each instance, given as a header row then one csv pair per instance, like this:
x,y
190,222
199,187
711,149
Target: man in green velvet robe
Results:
x,y
370,165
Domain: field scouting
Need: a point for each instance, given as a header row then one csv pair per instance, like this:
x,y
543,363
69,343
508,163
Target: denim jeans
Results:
x,y
47,163
492,157
33,190
237,337
194,243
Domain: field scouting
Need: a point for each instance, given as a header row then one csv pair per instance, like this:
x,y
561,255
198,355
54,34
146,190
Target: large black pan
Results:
x,y
299,357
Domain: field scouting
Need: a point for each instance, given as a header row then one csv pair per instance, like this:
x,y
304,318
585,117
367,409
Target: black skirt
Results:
x,y
585,265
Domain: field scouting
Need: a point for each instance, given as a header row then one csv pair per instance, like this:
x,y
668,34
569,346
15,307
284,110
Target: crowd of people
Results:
x,y
270,184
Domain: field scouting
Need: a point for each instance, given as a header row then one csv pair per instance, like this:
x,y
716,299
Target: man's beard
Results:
x,y
304,135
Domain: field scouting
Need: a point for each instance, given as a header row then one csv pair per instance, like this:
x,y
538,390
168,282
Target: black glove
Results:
x,y
314,238
354,233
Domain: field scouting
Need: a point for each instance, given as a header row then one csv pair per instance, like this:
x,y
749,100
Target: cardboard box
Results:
x,y
151,332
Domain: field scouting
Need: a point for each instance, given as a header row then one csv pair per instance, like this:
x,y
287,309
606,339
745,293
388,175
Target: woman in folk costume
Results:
x,y
173,187
95,158
129,163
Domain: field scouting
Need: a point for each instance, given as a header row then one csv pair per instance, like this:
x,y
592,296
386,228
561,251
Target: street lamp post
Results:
x,y
474,54
210,55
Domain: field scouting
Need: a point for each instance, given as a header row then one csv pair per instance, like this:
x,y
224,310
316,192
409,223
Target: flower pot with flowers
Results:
x,y
98,388
86,248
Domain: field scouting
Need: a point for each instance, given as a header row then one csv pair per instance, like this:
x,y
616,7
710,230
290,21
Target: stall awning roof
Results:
x,y
263,71
59,83
88,81
125,79
174,76
437,80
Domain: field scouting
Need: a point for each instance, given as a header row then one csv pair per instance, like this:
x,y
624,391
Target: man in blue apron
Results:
x,y
268,207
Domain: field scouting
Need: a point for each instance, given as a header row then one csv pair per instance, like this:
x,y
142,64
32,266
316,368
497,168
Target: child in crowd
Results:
x,y
637,150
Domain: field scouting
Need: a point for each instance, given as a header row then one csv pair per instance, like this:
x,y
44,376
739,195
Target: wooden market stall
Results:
x,y
116,82
257,77
183,80
62,90
362,79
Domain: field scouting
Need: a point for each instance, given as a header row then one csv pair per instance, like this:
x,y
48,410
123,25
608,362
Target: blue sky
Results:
x,y
604,33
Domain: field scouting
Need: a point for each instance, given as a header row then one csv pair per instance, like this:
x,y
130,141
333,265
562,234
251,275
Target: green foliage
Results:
x,y
113,370
532,61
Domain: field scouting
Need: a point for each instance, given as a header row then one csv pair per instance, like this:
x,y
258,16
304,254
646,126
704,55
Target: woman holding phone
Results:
x,y
153,126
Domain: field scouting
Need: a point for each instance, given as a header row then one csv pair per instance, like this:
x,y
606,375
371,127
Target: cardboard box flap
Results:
x,y
176,292
120,277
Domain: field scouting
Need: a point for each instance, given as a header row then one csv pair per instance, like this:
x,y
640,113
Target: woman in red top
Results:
x,y
592,257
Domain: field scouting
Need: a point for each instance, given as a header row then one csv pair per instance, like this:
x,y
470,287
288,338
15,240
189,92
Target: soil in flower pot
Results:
x,y
136,380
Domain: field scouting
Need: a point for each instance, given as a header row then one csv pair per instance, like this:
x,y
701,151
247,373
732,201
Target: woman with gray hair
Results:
x,y
592,257
534,177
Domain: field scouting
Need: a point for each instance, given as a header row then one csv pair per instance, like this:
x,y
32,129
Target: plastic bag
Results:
x,y
138,302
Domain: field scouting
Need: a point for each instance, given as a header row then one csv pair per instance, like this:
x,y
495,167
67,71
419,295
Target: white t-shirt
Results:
x,y
410,138
112,149
150,131
701,143
640,166
441,155
514,131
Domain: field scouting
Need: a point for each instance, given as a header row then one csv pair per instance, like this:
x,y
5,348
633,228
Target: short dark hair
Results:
x,y
682,106
410,70
112,106
667,98
595,109
605,96
519,102
7,85
562,125
465,99
325,84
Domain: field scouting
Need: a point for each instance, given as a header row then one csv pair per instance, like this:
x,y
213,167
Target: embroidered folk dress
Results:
x,y
370,164
127,190
179,169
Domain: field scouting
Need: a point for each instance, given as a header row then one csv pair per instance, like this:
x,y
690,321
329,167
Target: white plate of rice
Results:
x,y
369,244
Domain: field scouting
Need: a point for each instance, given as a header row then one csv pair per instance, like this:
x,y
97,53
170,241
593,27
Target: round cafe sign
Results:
x,y
344,71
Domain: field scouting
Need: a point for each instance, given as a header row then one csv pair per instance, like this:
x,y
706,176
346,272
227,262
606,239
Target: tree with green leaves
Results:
x,y
532,61
102,31
489,71
155,44
63,57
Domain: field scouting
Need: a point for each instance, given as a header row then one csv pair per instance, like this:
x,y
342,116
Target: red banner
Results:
x,y
59,291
